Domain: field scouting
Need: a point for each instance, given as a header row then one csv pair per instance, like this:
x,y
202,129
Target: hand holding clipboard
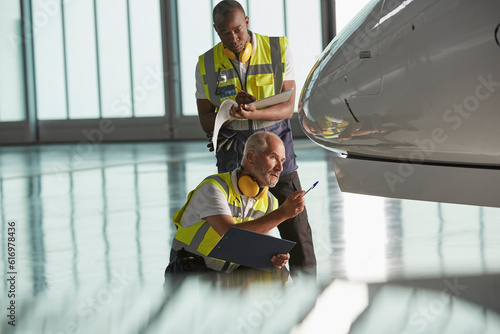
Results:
x,y
271,100
249,248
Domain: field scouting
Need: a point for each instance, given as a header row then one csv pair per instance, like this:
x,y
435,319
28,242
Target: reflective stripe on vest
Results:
x,y
201,238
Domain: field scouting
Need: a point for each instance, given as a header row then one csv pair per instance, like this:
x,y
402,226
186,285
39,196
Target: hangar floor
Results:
x,y
93,230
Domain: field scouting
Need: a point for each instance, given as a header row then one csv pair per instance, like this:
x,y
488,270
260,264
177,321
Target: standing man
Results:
x,y
246,67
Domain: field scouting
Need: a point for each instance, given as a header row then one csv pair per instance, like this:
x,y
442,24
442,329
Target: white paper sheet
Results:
x,y
221,118
272,100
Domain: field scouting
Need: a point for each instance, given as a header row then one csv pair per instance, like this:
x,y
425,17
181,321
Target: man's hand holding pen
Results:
x,y
294,204
244,109
244,97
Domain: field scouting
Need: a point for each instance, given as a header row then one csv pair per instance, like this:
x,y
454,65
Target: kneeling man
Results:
x,y
239,198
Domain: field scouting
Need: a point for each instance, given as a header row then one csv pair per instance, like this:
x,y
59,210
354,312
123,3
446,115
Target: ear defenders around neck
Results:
x,y
249,187
244,55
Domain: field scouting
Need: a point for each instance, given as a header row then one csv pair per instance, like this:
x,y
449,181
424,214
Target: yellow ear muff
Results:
x,y
244,55
262,193
230,54
249,187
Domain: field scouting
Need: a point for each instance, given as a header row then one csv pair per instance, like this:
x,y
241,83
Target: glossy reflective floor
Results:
x,y
93,230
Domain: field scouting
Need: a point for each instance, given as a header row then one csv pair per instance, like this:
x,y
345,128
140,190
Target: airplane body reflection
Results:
x,y
408,96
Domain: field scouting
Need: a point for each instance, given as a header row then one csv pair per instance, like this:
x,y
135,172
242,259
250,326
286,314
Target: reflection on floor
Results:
x,y
93,231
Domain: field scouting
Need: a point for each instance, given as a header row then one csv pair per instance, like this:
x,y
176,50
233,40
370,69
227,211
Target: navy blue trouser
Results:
x,y
302,257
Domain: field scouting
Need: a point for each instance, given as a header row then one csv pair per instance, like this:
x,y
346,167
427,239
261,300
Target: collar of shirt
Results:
x,y
242,67
254,44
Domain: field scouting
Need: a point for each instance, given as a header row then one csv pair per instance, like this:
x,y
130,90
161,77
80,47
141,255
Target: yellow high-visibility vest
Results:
x,y
201,238
264,76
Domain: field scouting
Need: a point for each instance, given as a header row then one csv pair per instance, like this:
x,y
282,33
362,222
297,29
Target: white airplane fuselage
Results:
x,y
408,96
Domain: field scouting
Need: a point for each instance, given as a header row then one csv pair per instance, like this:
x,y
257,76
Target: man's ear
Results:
x,y
216,30
251,157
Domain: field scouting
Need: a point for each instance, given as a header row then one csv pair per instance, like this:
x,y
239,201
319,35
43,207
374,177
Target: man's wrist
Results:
x,y
281,214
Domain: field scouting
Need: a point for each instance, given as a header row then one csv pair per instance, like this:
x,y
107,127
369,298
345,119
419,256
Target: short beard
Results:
x,y
265,176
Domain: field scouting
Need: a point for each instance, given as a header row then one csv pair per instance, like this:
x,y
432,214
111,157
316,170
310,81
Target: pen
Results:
x,y
314,185
238,88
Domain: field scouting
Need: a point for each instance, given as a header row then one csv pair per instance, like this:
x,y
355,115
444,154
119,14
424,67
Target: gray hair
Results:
x,y
225,7
258,143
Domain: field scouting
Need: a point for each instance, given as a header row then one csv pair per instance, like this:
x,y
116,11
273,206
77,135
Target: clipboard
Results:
x,y
249,248
272,100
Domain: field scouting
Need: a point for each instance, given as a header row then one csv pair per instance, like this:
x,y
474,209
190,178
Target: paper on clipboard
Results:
x,y
272,100
221,118
223,113
249,248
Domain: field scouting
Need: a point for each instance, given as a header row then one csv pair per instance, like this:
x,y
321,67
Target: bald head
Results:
x,y
263,158
225,8
259,142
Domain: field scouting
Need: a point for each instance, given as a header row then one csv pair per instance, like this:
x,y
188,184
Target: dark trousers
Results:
x,y
184,264
302,258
